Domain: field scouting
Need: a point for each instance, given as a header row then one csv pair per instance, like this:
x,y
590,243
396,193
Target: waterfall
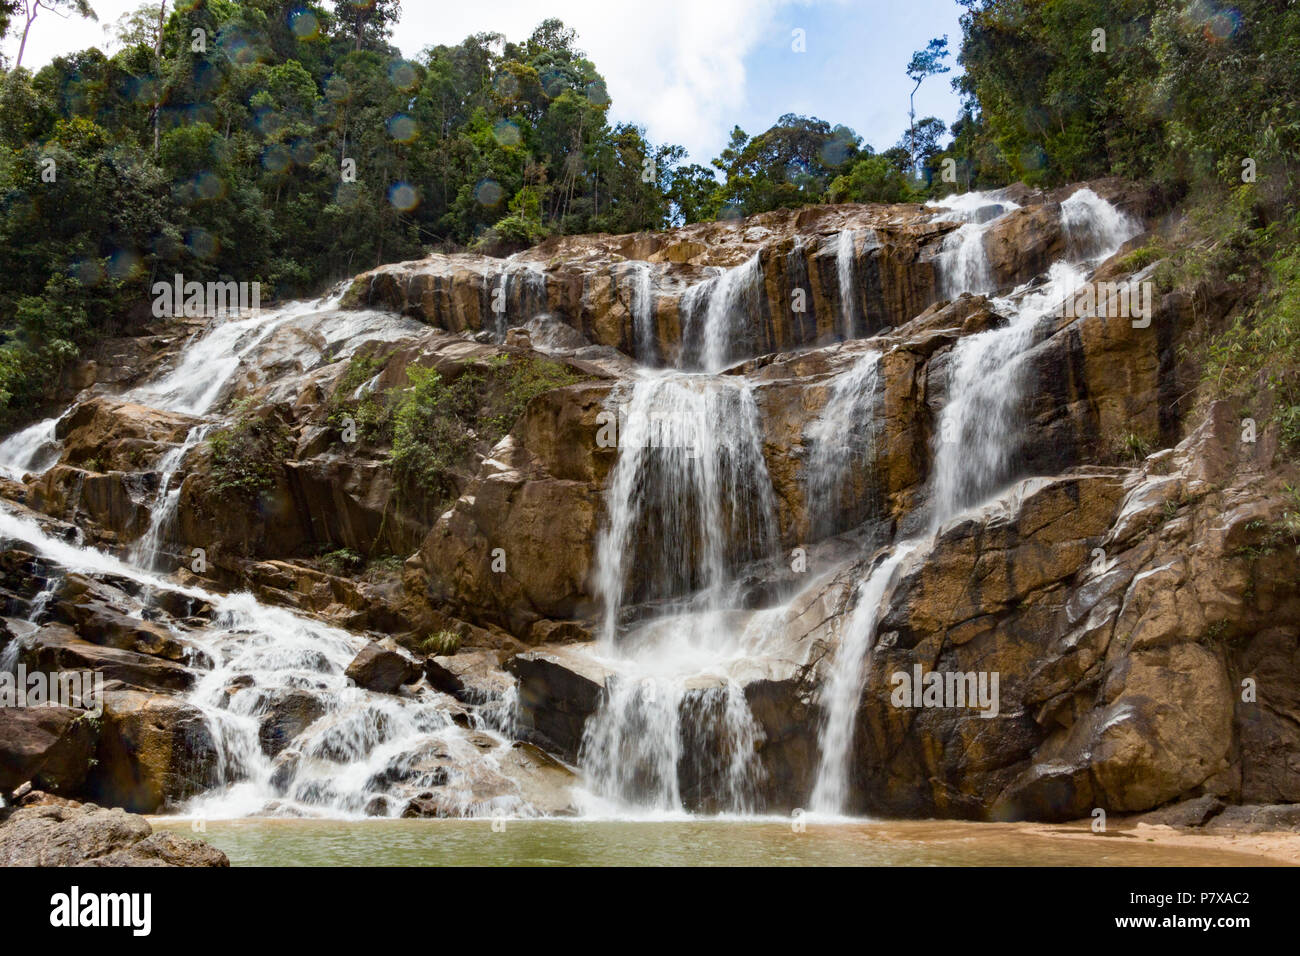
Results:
x,y
364,753
843,440
531,295
720,315
844,261
207,364
689,501
842,689
980,428
689,498
360,753
34,449
147,551
643,314
963,263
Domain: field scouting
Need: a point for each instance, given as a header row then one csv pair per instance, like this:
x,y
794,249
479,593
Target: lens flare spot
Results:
x,y
403,196
403,128
506,133
488,192
201,243
304,24
402,74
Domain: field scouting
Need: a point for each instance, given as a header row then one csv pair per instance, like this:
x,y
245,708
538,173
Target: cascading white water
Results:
x,y
34,449
523,281
963,262
643,313
147,551
844,262
689,501
351,759
843,689
689,498
208,363
979,429
843,440
363,752
719,315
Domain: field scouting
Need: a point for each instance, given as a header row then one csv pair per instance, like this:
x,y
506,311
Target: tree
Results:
x,y
367,20
140,27
922,142
924,63
30,9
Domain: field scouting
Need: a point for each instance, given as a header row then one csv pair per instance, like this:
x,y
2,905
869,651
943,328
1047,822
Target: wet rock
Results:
x,y
1189,813
284,770
1257,819
472,677
56,648
379,669
153,750
288,715
558,691
92,610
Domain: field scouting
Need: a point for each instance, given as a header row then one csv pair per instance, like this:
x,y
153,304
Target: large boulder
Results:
x,y
50,746
383,670
154,750
559,688
69,834
57,647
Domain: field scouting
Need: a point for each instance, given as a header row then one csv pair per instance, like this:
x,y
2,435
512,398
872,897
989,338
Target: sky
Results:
x,y
686,70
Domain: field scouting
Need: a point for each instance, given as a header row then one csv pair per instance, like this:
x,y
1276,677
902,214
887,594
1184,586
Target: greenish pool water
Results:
x,y
273,842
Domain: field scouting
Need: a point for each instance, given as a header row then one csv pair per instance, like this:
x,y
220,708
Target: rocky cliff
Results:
x,y
488,606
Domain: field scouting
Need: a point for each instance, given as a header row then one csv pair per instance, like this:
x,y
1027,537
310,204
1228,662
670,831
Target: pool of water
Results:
x,y
277,842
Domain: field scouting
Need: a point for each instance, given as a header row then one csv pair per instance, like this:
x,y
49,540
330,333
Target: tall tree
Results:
x,y
924,63
367,19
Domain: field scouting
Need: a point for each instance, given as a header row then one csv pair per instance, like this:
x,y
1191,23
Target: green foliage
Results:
x,y
441,644
789,165
1183,91
248,455
372,411
341,561
1256,360
437,425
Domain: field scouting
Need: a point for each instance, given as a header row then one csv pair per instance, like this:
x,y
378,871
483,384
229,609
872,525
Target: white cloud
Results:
x,y
675,66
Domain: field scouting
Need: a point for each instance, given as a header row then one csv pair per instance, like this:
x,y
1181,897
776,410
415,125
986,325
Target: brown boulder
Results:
x,y
153,751
379,669
50,746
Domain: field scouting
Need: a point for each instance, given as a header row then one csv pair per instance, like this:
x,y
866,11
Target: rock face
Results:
x,y
1121,616
50,746
1139,613
379,669
65,833
590,282
558,691
153,750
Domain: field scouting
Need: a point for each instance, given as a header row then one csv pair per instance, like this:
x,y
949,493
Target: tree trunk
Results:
x,y
27,29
